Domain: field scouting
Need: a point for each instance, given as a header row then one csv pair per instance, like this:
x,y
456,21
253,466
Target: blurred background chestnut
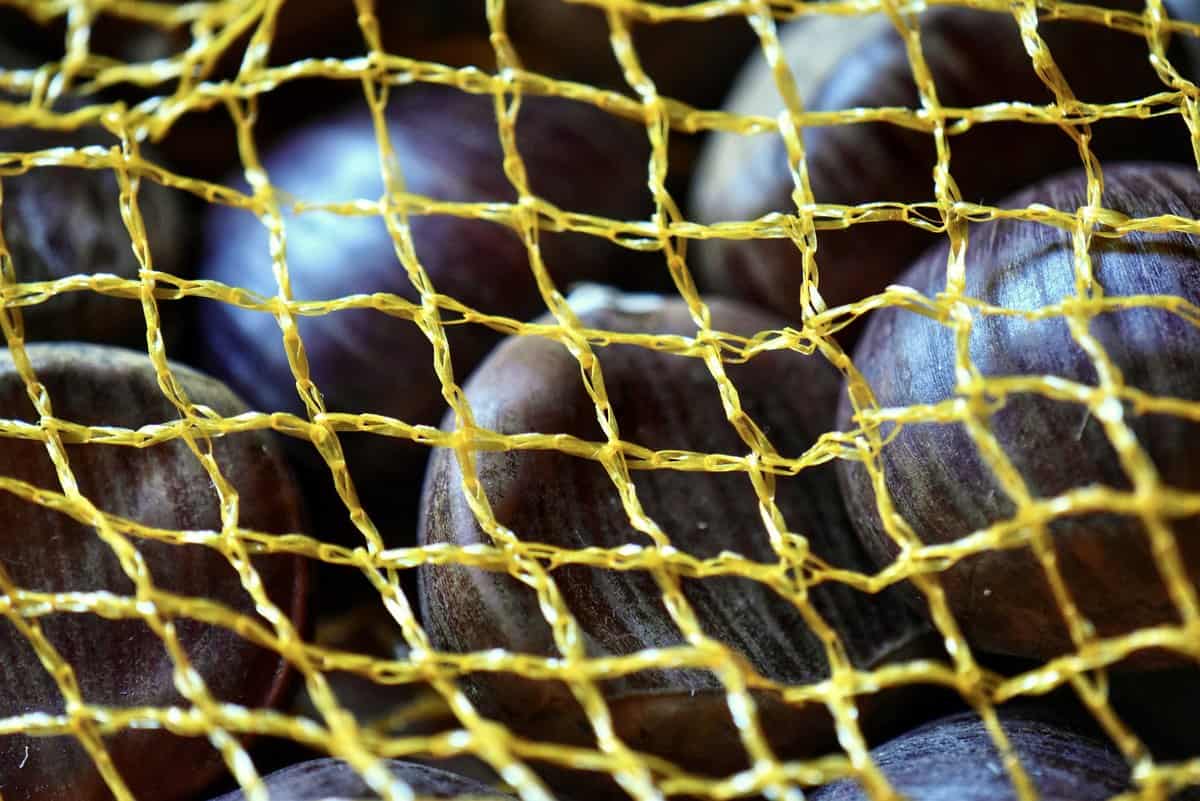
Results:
x,y
121,663
661,401
203,142
448,148
862,62
62,221
937,479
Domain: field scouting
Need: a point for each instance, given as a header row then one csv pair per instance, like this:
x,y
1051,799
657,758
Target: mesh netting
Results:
x,y
443,722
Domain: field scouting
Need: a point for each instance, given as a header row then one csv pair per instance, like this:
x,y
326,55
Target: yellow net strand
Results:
x,y
216,27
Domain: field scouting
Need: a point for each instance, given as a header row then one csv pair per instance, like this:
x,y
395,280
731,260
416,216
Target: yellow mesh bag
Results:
x,y
446,722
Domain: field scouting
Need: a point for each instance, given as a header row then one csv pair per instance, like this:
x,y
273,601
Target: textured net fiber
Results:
x,y
178,91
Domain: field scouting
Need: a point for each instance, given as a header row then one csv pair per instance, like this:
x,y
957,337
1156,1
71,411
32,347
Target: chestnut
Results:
x,y
117,659
976,57
935,475
956,758
61,221
321,779
448,148
661,401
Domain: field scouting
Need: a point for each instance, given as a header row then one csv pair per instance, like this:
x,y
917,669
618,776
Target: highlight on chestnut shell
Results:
x,y
321,779
446,144
118,660
663,402
1043,402
842,63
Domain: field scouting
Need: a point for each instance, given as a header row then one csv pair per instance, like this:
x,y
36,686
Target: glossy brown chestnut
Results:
x,y
121,663
323,779
935,475
447,146
846,63
955,759
661,401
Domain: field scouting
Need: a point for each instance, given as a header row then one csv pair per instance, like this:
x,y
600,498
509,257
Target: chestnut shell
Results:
x,y
122,663
935,476
976,57
447,145
955,759
661,401
64,221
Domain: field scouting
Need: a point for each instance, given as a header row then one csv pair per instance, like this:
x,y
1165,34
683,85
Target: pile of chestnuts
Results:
x,y
684,530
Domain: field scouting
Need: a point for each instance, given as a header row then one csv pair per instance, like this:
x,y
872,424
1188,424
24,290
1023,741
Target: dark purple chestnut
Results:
x,y
692,61
976,57
956,759
322,779
447,146
935,475
661,401
120,663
